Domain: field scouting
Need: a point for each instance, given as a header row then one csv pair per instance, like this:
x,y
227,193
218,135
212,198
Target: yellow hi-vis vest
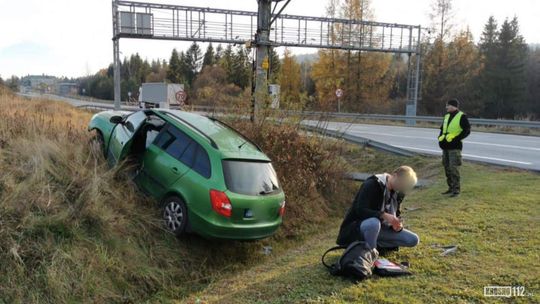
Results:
x,y
454,129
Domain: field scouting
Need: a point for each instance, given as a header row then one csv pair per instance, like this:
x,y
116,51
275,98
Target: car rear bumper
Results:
x,y
232,231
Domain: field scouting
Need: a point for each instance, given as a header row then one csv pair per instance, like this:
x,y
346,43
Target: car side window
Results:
x,y
189,154
180,143
202,162
180,146
164,139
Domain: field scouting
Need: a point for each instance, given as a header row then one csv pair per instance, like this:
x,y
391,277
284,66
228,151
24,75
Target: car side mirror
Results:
x,y
116,119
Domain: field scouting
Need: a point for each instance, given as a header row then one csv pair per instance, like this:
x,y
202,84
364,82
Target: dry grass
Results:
x,y
72,230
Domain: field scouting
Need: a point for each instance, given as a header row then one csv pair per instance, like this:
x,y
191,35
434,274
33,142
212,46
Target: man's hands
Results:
x,y
397,225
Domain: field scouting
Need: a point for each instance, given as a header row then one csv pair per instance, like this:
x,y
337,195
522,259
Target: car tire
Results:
x,y
174,215
99,141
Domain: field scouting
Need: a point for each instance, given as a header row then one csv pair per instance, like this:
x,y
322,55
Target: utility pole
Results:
x,y
262,43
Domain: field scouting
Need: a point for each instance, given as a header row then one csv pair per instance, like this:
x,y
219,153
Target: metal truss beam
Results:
x,y
189,23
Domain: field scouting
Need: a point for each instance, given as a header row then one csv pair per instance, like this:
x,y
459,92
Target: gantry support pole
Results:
x,y
116,57
262,42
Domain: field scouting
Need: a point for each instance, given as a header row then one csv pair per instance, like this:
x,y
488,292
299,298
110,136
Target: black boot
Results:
x,y
455,194
447,191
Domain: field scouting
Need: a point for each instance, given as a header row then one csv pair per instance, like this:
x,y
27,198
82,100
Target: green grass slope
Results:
x,y
494,223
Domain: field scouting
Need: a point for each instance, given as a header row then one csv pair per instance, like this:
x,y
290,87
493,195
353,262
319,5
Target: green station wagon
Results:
x,y
209,178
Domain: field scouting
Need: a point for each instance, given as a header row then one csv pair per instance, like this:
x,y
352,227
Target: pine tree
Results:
x,y
241,70
488,76
219,53
226,61
174,71
192,63
533,72
503,81
513,78
275,66
209,56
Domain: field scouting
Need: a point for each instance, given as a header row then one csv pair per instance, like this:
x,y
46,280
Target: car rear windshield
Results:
x,y
250,177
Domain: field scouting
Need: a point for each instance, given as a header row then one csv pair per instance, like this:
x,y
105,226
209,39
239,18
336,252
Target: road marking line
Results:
x,y
502,145
434,139
468,155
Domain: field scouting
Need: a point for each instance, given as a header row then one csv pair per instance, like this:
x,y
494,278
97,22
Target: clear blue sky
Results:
x,y
73,37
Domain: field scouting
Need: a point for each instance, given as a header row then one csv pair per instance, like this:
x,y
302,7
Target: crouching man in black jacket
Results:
x,y
374,215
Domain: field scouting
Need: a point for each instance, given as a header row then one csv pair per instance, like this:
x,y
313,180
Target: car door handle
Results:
x,y
174,170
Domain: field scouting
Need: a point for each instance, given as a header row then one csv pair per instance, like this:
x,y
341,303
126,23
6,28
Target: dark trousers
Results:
x,y
451,160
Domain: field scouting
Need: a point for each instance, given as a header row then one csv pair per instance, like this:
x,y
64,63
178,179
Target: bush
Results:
x,y
310,170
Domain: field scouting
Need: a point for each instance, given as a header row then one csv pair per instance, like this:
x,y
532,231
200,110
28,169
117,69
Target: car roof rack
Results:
x,y
212,142
236,131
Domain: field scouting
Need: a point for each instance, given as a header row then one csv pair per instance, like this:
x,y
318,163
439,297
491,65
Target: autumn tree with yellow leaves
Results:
x,y
365,78
290,83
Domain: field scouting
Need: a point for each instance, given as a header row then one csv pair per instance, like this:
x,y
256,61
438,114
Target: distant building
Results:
x,y
41,83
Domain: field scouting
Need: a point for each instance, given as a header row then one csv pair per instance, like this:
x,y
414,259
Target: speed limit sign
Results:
x,y
339,93
181,96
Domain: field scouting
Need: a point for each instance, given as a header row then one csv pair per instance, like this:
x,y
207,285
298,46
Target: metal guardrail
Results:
x,y
326,115
359,140
96,107
106,107
325,132
433,119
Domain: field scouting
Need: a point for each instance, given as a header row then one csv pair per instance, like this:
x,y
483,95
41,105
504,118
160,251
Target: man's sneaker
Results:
x,y
454,194
447,191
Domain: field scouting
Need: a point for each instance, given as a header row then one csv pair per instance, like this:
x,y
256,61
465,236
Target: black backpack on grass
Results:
x,y
356,262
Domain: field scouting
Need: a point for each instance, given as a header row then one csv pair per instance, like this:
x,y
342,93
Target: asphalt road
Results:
x,y
501,149
518,151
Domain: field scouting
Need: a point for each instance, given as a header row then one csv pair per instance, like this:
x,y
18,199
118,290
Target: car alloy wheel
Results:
x,y
173,215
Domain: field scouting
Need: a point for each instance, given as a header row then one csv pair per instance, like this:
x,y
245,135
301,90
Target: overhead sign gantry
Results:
x,y
263,29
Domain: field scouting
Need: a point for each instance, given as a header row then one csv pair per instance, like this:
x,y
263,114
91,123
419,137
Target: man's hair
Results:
x,y
407,176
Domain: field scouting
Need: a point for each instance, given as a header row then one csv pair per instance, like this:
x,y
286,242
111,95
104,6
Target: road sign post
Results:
x,y
339,94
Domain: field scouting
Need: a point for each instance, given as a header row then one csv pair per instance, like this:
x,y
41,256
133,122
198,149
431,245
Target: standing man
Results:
x,y
454,129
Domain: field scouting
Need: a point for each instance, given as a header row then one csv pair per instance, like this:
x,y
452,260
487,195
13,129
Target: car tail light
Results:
x,y
220,203
282,208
